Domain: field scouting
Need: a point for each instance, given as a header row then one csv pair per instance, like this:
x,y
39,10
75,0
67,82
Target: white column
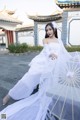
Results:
x,y
14,37
64,34
6,40
35,33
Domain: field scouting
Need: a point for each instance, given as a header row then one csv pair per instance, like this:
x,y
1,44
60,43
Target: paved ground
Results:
x,y
12,68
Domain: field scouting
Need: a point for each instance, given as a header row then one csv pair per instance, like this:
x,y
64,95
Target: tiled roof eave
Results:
x,y
25,29
68,5
46,18
16,22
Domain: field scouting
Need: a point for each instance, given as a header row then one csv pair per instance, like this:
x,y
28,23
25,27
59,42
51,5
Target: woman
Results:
x,y
40,71
32,77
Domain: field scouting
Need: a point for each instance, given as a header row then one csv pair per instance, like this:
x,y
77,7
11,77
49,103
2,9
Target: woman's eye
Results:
x,y
50,29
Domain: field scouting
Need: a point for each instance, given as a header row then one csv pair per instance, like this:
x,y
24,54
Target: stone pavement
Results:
x,y
12,68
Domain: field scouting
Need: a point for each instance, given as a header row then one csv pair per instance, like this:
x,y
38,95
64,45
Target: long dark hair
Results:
x,y
54,29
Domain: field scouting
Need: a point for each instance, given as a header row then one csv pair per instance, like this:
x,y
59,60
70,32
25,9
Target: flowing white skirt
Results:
x,y
38,66
33,107
51,84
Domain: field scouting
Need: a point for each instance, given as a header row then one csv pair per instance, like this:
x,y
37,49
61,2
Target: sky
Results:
x,y
29,7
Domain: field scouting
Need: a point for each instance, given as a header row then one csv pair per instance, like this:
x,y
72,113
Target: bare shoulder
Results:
x,y
45,41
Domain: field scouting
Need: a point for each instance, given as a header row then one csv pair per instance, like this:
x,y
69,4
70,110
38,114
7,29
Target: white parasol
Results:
x,y
65,91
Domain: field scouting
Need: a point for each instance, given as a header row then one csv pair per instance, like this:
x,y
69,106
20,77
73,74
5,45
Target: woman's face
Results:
x,y
49,31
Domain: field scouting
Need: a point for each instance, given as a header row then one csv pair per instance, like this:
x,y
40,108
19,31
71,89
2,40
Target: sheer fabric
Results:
x,y
52,95
65,92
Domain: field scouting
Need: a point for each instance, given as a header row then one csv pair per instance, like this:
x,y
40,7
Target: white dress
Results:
x,y
35,106
39,65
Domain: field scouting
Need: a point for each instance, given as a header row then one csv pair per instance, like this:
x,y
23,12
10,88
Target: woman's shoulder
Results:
x,y
45,41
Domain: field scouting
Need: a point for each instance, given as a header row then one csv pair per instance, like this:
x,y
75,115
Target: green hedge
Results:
x,y
35,48
2,44
21,48
18,48
73,48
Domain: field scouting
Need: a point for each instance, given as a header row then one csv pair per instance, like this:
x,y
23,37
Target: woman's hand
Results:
x,y
53,56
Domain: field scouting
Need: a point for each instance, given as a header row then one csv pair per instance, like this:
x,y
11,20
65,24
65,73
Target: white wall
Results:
x,y
26,37
74,28
74,35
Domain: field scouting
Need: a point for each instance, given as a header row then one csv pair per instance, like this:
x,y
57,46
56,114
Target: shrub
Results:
x,y
21,48
3,44
73,48
35,48
18,48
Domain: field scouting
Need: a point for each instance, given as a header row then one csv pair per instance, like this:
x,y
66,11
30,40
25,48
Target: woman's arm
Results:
x,y
47,51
